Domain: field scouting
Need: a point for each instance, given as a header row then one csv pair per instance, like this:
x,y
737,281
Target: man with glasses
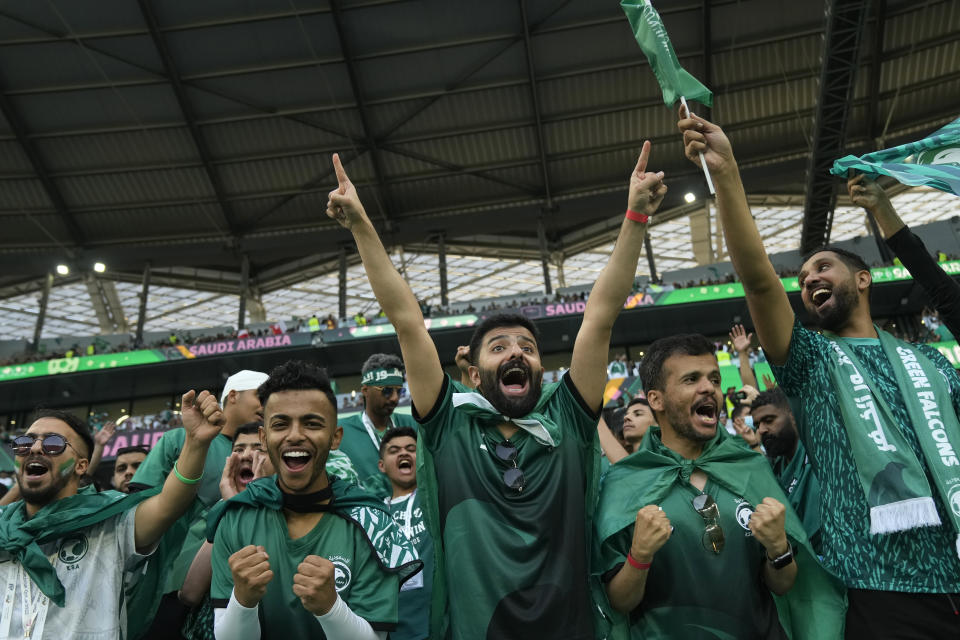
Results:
x,y
382,387
509,470
64,554
692,531
128,459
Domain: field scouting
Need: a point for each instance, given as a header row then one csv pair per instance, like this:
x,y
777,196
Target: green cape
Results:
x,y
394,552
814,609
22,538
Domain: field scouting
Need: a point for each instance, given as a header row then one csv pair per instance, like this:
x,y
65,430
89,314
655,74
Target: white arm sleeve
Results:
x,y
236,622
341,623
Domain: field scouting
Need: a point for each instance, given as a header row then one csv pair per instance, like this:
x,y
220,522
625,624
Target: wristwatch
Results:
x,y
782,560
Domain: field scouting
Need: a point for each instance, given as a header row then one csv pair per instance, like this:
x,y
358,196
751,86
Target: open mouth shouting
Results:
x,y
704,413
820,296
514,379
296,459
35,469
245,474
405,466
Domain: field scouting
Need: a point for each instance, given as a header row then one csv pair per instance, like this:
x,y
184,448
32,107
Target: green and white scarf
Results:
x,y
892,477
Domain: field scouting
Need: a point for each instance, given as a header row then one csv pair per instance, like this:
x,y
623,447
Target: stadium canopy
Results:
x,y
193,139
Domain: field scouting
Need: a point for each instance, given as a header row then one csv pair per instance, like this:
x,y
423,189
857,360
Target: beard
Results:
x,y
679,418
510,406
45,494
844,302
782,444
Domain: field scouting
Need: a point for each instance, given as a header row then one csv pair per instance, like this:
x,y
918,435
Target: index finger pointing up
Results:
x,y
644,156
342,178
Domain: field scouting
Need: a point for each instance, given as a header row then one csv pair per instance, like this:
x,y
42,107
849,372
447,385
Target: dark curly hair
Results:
x,y
297,375
396,432
495,322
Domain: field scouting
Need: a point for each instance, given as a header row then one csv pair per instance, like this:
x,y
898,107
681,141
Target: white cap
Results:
x,y
242,381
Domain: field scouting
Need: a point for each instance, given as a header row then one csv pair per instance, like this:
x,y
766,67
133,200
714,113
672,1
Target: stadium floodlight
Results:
x,y
99,267
689,197
63,269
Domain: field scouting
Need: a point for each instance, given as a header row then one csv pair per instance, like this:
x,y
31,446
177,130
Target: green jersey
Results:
x,y
360,582
361,443
692,592
921,560
414,623
153,472
514,563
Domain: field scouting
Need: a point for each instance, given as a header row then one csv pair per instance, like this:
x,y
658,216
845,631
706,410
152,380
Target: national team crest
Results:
x,y
341,573
73,548
744,512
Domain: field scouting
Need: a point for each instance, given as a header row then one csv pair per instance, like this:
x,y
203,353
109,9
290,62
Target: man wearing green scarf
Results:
x,y
382,387
777,430
69,559
877,416
509,470
692,531
302,556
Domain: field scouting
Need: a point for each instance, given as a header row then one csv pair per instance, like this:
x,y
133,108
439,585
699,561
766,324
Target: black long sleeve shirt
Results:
x,y
943,290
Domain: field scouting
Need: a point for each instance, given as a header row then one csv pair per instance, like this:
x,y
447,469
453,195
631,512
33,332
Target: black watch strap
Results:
x,y
782,561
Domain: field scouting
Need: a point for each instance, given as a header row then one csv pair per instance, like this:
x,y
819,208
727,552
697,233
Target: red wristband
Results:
x,y
637,217
642,566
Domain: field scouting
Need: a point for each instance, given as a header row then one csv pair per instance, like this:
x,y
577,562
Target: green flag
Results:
x,y
933,161
652,37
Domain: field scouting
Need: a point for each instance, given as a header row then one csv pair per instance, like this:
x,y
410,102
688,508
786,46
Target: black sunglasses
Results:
x,y
512,477
53,444
389,391
712,539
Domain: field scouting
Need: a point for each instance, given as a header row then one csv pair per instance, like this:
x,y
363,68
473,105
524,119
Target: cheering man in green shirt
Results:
x,y
692,528
878,417
509,470
382,387
301,555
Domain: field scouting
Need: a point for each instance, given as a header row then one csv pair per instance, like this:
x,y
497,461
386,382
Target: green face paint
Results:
x,y
67,467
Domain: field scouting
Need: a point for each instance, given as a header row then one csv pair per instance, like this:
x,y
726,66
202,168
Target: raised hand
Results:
x,y
650,532
751,437
343,203
701,136
740,338
866,193
463,359
201,415
102,437
228,479
767,525
315,585
646,189
250,567
768,382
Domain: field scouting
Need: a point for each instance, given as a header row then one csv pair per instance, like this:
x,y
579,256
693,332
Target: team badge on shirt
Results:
x,y
73,548
341,573
953,497
744,511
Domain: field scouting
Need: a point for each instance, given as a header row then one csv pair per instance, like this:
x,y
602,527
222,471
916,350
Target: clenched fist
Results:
x,y
315,585
650,532
201,415
767,525
250,567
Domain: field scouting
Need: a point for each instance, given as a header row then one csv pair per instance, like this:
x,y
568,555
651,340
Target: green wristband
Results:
x,y
184,479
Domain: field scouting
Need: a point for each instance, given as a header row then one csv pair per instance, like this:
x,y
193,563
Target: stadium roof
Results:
x,y
194,135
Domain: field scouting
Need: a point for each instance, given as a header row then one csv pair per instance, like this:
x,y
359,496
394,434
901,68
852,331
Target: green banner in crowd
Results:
x,y
950,350
81,363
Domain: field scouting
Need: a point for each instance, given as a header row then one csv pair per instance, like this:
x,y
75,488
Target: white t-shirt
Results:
x,y
94,566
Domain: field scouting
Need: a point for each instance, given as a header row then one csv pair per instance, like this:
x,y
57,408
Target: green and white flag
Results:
x,y
652,37
932,162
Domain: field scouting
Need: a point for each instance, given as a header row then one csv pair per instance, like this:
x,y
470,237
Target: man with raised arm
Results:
x,y
68,560
878,417
509,470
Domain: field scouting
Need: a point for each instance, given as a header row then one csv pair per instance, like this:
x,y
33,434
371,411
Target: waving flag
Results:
x,y
932,162
652,37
